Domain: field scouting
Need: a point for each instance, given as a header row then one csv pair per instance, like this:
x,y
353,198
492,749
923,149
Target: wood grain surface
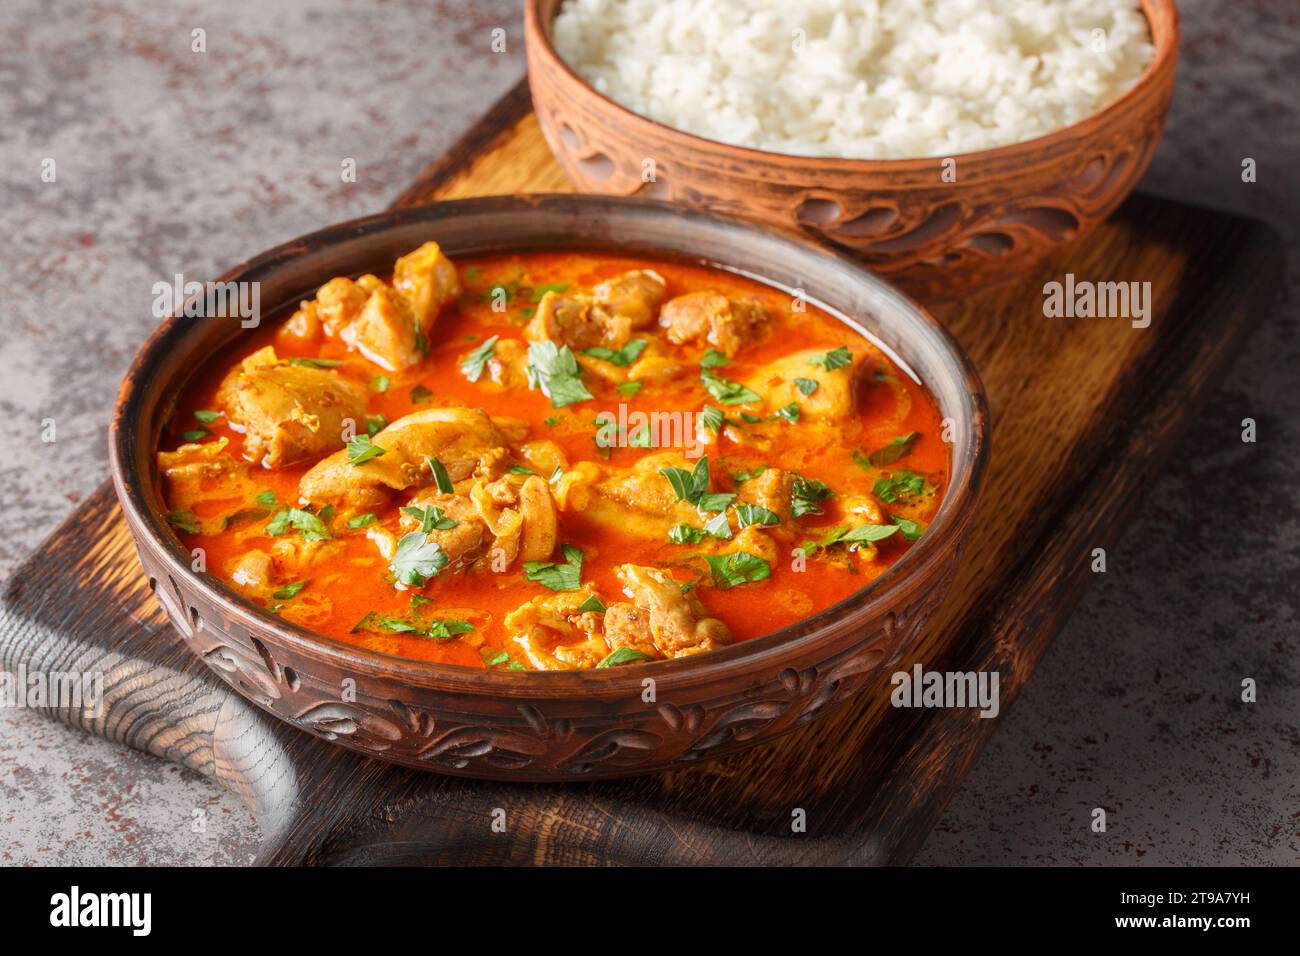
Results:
x,y
1084,412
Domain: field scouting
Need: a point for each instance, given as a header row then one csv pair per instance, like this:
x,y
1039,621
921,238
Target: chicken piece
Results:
x,y
726,324
555,635
386,332
427,280
462,544
203,474
302,330
576,321
465,440
251,570
292,555
861,509
338,302
635,295
675,623
521,518
292,413
545,456
638,501
654,365
771,490
507,366
832,402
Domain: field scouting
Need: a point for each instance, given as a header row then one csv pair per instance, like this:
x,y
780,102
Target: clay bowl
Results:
x,y
550,726
1009,208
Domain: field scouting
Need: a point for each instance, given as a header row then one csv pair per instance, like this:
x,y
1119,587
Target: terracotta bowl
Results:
x,y
567,725
1009,207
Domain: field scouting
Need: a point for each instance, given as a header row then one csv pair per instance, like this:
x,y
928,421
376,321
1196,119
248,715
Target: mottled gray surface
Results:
x,y
171,161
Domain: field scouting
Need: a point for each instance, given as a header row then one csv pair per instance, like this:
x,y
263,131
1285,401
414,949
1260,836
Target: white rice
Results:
x,y
866,79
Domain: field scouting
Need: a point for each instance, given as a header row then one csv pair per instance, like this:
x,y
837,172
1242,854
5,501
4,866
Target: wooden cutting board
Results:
x,y
1084,412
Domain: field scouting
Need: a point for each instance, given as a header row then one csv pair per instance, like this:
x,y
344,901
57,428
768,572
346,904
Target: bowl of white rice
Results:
x,y
946,143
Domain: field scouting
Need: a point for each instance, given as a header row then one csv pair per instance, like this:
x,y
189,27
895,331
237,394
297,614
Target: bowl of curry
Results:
x,y
549,487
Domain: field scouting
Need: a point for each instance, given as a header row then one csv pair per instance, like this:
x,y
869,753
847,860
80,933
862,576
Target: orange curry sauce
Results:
x,y
354,580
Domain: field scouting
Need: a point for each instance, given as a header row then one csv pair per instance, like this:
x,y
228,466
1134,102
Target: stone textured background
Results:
x,y
171,161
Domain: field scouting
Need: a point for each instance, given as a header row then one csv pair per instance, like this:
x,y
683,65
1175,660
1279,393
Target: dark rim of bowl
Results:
x,y
949,524
1166,50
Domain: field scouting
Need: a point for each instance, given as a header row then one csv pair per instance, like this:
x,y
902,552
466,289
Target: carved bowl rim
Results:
x,y
175,350
544,61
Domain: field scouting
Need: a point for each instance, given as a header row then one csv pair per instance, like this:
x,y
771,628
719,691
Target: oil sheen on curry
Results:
x,y
551,460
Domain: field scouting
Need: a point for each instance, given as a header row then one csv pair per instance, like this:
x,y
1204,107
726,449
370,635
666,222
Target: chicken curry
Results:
x,y
551,460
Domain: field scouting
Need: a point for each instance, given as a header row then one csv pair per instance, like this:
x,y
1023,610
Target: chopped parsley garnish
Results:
x,y
741,567
592,605
911,529
417,559
266,499
624,356
309,525
556,371
477,360
715,501
899,485
195,434
361,521
740,476
290,590
556,475
520,470
890,453
713,418
805,495
689,485
314,362
440,629
806,385
713,359
719,526
685,534
789,412
361,450
624,655
379,384
541,290
206,417
868,533
501,657
440,476
375,424
628,389
184,520
558,576
430,518
835,358
756,514
728,393
420,395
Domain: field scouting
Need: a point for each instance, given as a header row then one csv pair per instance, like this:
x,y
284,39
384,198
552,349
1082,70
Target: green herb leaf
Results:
x,y
713,418
309,525
558,576
835,358
430,518
789,412
719,526
713,359
628,389
361,450
440,477
624,356
868,533
290,590
911,529
558,373
314,362
756,514
184,520
806,385
689,485
728,393
899,486
891,452
715,501
730,570
545,287
477,360
445,628
361,521
623,655
266,499
379,384
520,470
685,534
591,605
417,559
420,395
195,434
375,424
206,417
805,495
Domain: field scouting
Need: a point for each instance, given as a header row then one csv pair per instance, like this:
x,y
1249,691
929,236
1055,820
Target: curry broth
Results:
x,y
354,581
